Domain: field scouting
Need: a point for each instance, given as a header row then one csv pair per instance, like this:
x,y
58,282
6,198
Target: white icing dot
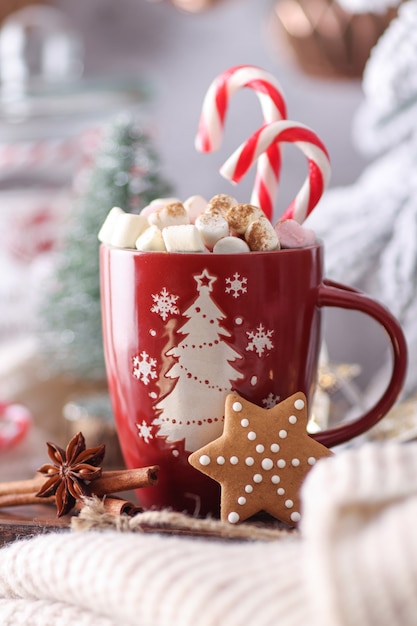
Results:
x,y
175,452
244,422
204,459
238,321
237,407
251,435
253,380
274,447
275,479
281,463
295,516
153,395
282,434
233,517
299,404
280,491
241,500
295,462
292,419
234,460
289,504
249,461
311,460
152,332
267,464
260,448
220,460
248,488
257,478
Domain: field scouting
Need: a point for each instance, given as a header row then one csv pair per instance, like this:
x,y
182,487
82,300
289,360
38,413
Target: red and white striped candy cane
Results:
x,y
212,120
309,143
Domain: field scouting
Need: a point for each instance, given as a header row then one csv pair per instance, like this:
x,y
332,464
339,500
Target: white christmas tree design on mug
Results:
x,y
203,373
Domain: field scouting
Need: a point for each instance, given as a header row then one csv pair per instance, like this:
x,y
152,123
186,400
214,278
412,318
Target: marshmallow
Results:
x,y
292,235
261,236
240,216
220,204
157,204
195,206
231,245
127,228
151,240
173,214
183,238
212,228
105,232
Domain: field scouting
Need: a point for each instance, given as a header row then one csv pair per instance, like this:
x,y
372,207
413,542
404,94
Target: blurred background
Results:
x,y
99,105
179,53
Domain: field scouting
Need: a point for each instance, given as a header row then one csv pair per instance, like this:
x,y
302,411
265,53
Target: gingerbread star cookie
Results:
x,y
261,459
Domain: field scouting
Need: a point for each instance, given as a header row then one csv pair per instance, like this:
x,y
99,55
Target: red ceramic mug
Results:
x,y
181,331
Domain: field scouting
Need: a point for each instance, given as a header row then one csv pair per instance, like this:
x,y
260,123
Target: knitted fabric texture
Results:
x,y
369,228
354,562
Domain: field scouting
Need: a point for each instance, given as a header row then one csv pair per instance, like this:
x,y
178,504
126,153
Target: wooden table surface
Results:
x,y
23,522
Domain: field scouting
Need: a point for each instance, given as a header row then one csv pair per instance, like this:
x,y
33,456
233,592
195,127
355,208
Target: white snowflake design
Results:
x,y
270,401
164,304
260,340
144,367
236,285
145,431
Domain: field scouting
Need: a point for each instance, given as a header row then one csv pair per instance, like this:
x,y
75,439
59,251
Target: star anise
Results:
x,y
71,472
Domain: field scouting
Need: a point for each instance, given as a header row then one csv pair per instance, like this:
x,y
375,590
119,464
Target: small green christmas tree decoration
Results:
x,y
125,174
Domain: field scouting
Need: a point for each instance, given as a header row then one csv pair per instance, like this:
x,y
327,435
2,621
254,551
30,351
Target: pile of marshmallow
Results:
x,y
221,225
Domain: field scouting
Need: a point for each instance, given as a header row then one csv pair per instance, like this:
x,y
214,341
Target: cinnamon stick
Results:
x,y
118,506
23,499
129,479
23,492
22,486
125,480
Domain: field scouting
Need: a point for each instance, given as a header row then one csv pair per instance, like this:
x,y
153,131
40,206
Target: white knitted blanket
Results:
x,y
354,563
369,228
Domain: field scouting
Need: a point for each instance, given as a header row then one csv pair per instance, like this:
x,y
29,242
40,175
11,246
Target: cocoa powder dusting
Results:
x,y
175,209
240,216
220,203
259,238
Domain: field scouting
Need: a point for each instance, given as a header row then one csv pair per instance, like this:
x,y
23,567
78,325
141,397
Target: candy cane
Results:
x,y
212,120
309,143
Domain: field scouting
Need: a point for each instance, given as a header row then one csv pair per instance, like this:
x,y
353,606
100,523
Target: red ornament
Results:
x,y
323,39
15,421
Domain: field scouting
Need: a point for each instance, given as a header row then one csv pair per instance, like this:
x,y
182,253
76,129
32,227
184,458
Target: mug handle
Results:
x,y
331,293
